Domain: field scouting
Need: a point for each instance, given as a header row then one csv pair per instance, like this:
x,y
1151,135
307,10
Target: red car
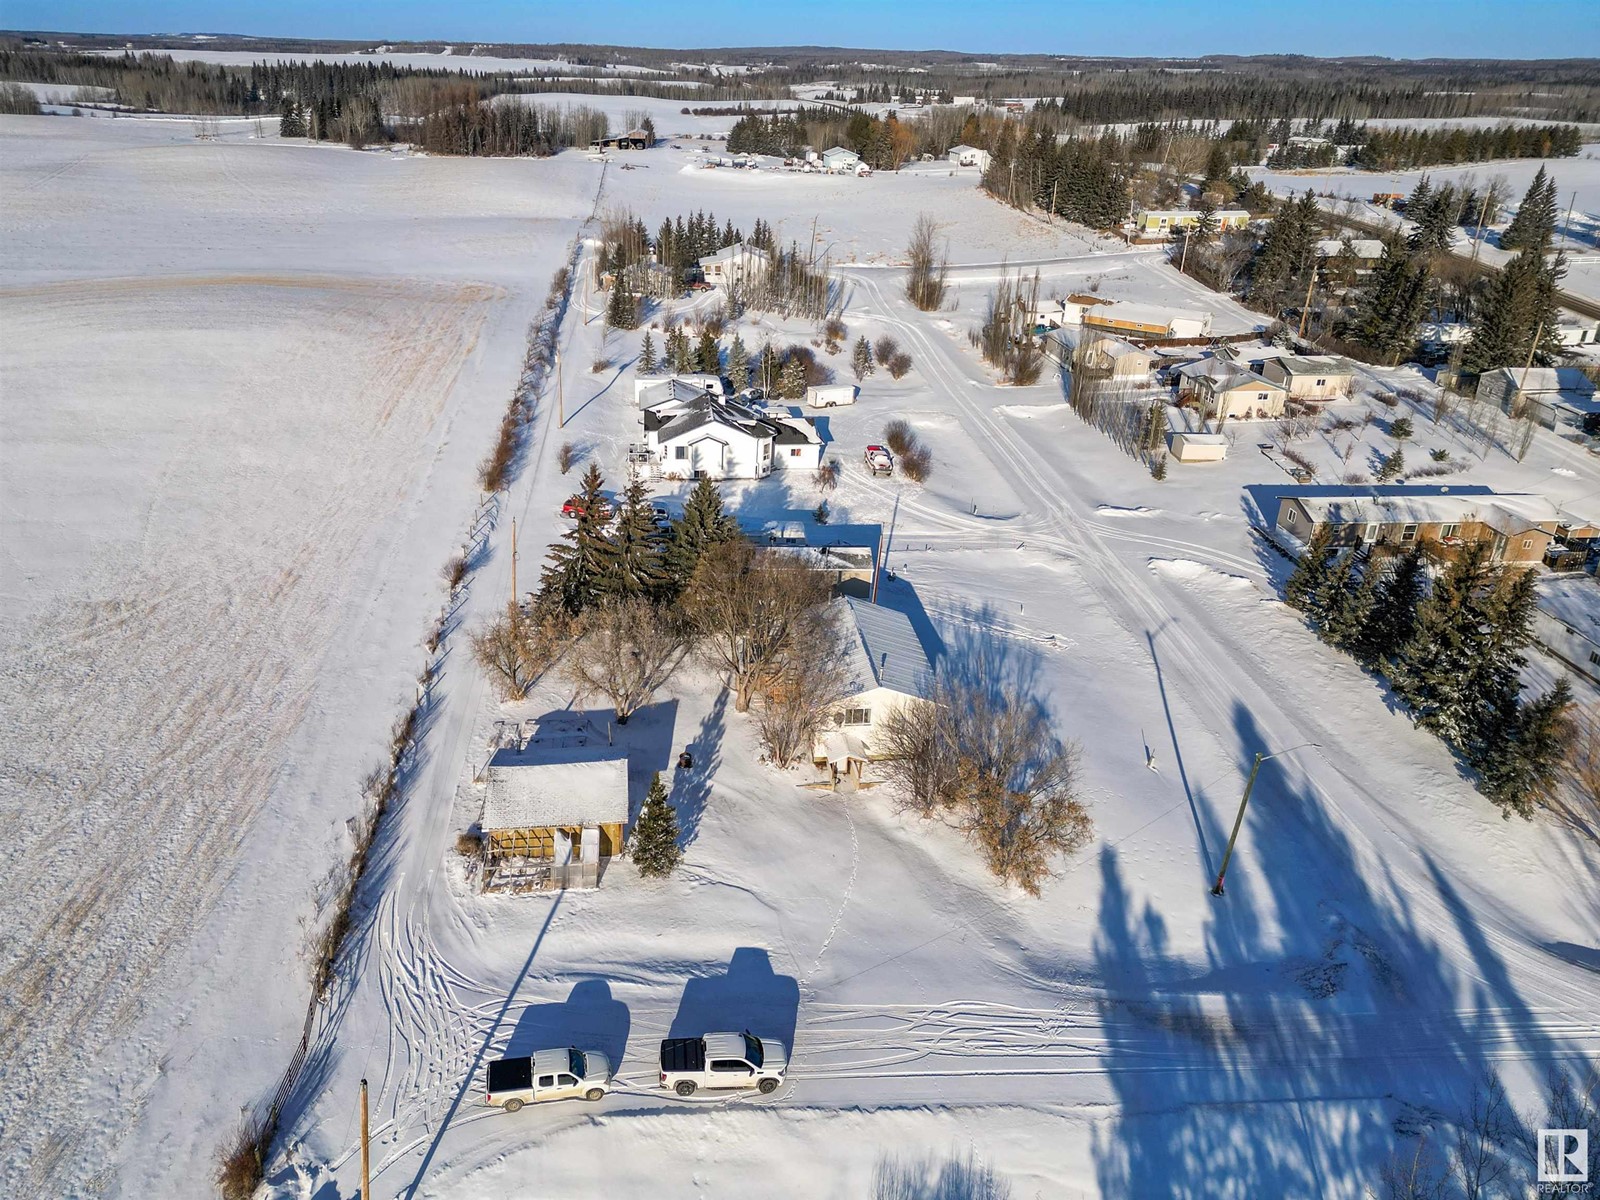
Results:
x,y
573,509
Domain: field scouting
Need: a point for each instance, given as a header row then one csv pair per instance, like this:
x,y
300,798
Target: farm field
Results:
x,y
247,387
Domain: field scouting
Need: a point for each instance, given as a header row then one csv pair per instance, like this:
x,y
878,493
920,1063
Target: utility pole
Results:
x,y
1566,229
1305,309
513,562
1244,800
366,1148
561,397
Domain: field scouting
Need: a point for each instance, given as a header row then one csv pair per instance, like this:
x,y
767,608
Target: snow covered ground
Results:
x,y
1385,938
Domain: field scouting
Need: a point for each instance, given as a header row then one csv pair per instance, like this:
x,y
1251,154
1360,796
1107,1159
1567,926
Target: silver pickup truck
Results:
x,y
562,1074
723,1060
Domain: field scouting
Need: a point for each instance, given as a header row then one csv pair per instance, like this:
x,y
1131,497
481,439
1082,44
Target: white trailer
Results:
x,y
831,395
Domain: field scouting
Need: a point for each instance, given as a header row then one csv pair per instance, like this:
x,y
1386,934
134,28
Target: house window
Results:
x,y
1408,534
1527,543
1448,531
1261,397
794,452
1594,657
858,716
1293,517
680,452
1322,383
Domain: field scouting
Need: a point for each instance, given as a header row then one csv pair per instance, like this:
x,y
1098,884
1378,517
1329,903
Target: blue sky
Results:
x,y
1397,28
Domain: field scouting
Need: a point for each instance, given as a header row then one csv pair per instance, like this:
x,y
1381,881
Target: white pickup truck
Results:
x,y
722,1060
563,1074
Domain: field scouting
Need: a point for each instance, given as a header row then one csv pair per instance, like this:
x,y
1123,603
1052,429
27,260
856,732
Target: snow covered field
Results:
x,y
237,479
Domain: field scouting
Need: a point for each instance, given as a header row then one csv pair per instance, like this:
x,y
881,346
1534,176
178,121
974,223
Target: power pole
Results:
x,y
513,562
1305,310
366,1148
1244,801
561,398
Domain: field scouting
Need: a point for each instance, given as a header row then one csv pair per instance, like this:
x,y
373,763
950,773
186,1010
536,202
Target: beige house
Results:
x,y
1518,527
1198,447
889,669
1311,376
1103,355
1226,392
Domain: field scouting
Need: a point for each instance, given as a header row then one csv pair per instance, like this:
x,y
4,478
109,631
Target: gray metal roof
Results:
x,y
886,651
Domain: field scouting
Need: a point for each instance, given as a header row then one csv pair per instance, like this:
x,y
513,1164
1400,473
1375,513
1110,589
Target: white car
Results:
x,y
723,1060
566,1074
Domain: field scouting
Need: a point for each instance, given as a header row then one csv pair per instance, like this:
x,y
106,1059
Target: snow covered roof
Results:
x,y
1368,248
1144,314
886,651
736,250
1537,380
1314,364
1509,512
794,431
1574,600
674,419
541,787
669,391
1225,376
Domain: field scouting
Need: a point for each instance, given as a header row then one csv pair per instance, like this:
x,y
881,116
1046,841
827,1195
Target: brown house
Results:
x,y
1518,527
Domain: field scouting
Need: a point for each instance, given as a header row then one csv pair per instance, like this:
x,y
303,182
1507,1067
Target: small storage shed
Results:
x,y
553,816
1198,447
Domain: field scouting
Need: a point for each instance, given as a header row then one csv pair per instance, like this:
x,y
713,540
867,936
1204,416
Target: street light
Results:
x,y
1243,801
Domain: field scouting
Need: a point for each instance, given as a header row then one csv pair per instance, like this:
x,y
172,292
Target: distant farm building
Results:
x,y
735,264
968,156
634,139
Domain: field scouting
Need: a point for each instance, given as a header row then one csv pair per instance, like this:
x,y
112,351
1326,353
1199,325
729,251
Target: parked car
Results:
x,y
879,461
547,1075
723,1060
573,509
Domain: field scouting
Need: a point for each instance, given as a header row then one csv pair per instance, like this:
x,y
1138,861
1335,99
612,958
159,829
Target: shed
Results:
x,y
554,807
831,395
1567,621
1198,447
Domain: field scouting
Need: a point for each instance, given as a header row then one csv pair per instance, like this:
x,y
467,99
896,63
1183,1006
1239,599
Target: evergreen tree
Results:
x,y
291,119
1421,195
1443,673
1328,600
702,525
1205,229
632,563
861,360
1520,305
1522,756
708,355
647,355
622,310
1393,619
1534,225
654,844
1348,604
576,562
1401,429
738,364
1310,574
1287,253
1391,466
792,380
1387,314
1217,171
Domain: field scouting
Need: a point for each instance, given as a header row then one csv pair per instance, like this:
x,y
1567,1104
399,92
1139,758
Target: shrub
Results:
x,y
1439,455
558,289
1158,469
897,435
917,463
885,348
1387,399
600,364
899,363
567,457
820,513
243,1160
469,844
828,476
927,270
454,571
494,472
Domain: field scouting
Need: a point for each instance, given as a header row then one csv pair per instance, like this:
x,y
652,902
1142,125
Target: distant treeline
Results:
x,y
1397,149
472,127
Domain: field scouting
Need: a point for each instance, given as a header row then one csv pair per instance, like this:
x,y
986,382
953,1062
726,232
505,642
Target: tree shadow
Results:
x,y
1342,1003
690,788
955,1178
749,995
589,1019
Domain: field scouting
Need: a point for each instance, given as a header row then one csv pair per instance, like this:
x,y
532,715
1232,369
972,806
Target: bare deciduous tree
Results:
x,y
927,270
1486,1129
807,680
1416,1176
626,650
516,648
983,756
747,607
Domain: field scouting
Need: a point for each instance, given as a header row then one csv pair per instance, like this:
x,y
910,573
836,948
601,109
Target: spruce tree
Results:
x,y
622,310
575,563
1441,673
1392,466
1389,628
861,359
654,844
708,355
1534,224
1348,605
1205,229
738,364
647,355
1393,303
702,525
792,380
1522,756
632,563
1310,574
1521,304
1326,602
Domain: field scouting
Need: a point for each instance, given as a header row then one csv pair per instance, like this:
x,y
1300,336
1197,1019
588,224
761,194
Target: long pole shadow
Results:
x,y
1177,754
488,1039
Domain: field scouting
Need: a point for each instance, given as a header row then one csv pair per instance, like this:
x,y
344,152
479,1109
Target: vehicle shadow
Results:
x,y
748,996
589,1018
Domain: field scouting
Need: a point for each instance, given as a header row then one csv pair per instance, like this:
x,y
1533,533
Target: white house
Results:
x,y
1311,376
650,391
889,668
1567,620
734,264
711,435
968,156
838,160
